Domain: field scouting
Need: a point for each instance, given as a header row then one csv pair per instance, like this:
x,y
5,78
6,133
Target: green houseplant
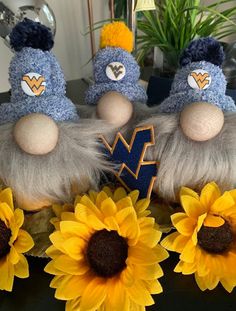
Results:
x,y
175,23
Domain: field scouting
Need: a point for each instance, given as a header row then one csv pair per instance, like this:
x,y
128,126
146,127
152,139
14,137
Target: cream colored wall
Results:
x,y
72,48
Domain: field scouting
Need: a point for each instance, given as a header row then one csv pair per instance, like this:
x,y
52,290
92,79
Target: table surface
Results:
x,y
180,292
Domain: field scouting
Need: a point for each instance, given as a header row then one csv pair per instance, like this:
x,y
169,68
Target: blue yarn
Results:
x,y
31,34
182,94
128,86
203,49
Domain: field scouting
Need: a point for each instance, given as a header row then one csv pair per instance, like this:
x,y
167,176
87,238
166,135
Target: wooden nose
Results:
x,y
36,134
201,121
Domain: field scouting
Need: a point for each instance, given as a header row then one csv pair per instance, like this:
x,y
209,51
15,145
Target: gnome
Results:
x,y
116,95
195,127
47,153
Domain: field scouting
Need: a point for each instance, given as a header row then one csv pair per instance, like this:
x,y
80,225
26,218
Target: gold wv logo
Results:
x,y
201,79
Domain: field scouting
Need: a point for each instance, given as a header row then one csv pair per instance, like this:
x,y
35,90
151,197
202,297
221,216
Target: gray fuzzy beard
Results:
x,y
183,162
77,159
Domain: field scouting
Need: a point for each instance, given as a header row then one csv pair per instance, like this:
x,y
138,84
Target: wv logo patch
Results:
x,y
199,79
115,71
133,171
33,84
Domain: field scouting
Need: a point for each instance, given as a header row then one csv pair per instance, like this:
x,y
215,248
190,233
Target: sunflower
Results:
x,y
13,242
108,257
206,237
66,211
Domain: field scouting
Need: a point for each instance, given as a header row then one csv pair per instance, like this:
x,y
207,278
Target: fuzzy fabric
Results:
x,y
128,86
52,102
76,163
31,34
184,162
182,94
203,49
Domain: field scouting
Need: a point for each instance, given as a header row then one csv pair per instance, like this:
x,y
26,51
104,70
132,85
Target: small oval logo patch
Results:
x,y
199,79
33,84
115,71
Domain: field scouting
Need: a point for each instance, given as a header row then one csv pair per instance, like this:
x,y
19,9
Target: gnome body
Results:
x,y
195,127
47,154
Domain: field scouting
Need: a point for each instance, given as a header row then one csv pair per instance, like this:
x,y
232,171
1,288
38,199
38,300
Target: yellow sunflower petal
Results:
x,y
24,242
73,304
177,217
68,216
97,289
124,203
84,215
213,221
154,287
19,217
142,205
189,192
116,299
168,241
185,268
6,213
22,268
56,281
50,268
100,198
57,240
70,266
74,247
7,275
71,286
189,252
7,197
112,224
201,260
108,191
119,194
108,207
139,294
200,282
13,256
200,221
134,196
211,281
75,229
223,203
149,272
227,284
150,237
209,194
142,255
127,276
193,207
127,220
186,226
85,200
53,252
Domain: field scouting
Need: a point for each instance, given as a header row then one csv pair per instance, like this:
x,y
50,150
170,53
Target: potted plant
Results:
x,y
172,26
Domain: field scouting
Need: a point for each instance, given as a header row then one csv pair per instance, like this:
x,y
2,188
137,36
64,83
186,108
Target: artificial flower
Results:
x,y
108,257
206,237
66,211
13,242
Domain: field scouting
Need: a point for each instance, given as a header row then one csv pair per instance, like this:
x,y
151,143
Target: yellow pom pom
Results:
x,y
116,34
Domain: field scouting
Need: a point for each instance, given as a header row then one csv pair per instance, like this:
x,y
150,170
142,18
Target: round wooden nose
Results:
x,y
201,121
36,134
114,108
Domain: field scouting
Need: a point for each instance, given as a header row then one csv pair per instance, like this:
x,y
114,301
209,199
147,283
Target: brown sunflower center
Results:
x,y
5,235
107,252
215,240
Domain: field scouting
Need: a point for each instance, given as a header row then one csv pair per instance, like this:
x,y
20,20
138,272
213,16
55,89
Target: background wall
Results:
x,y
72,48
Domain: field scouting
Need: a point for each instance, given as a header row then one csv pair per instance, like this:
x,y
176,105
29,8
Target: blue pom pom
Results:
x,y
203,49
31,34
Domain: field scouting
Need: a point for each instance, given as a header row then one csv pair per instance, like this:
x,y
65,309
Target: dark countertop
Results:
x,y
180,292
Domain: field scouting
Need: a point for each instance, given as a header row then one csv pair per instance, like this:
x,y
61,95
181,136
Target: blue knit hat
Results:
x,y
36,78
200,78
115,69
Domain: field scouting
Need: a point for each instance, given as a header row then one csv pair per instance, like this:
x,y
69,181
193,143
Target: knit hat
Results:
x,y
200,78
115,69
36,78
